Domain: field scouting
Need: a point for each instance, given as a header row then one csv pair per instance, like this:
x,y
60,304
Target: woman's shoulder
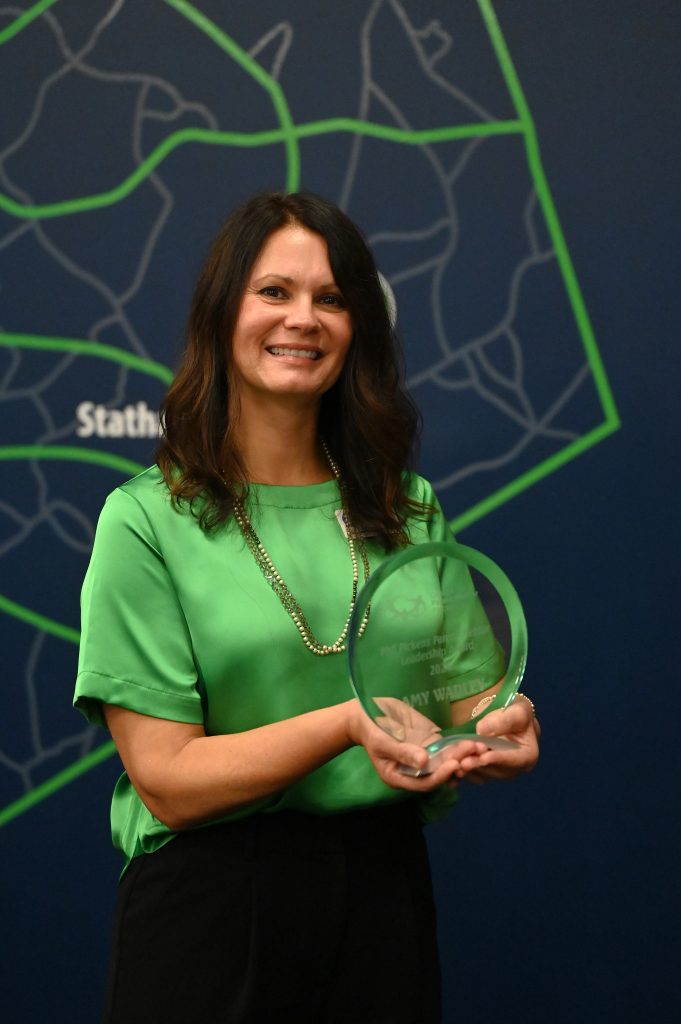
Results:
x,y
147,486
145,495
141,509
419,489
430,523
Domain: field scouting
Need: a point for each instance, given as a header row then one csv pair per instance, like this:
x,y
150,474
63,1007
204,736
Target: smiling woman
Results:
x,y
293,329
289,311
262,814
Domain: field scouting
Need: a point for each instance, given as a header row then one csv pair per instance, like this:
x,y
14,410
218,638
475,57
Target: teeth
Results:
x,y
303,353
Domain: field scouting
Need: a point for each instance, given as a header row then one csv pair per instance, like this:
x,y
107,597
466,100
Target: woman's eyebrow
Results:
x,y
327,286
279,277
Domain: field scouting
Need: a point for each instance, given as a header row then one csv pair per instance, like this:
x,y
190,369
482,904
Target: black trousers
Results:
x,y
283,917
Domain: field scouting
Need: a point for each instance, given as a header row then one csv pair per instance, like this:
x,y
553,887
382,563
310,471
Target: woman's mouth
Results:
x,y
300,353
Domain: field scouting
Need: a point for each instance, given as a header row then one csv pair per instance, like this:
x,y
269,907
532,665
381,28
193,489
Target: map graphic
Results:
x,y
128,132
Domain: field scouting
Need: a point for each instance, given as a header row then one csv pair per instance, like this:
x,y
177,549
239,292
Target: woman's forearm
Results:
x,y
185,777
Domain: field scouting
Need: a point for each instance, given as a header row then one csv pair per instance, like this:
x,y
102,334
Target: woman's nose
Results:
x,y
302,314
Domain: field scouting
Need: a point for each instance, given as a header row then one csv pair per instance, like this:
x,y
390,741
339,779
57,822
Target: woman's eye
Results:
x,y
332,300
272,291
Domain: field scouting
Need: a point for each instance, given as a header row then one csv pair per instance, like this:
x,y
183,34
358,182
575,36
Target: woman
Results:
x,y
275,866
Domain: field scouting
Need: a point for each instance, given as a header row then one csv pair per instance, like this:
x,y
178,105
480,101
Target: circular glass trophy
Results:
x,y
445,624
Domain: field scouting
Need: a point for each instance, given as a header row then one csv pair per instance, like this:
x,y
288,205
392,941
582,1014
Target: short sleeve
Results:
x,y
431,524
135,648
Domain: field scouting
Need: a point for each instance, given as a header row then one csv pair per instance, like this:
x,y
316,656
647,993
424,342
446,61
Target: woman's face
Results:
x,y
293,330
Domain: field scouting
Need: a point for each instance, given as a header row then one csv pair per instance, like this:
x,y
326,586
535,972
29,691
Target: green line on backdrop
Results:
x,y
407,136
67,453
15,27
257,72
538,472
89,348
550,214
207,136
24,614
229,46
54,628
62,778
106,459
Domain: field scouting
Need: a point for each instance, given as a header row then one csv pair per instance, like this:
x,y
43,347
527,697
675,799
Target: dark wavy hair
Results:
x,y
367,419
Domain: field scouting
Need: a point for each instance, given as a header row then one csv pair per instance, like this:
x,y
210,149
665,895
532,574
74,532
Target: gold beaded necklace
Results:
x,y
269,571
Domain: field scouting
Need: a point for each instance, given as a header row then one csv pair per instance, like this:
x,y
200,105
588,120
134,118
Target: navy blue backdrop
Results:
x,y
558,893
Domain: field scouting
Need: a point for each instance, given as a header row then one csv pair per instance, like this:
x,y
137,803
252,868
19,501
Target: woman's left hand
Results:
x,y
517,722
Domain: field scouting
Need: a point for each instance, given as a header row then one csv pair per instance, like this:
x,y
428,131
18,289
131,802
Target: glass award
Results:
x,y
445,624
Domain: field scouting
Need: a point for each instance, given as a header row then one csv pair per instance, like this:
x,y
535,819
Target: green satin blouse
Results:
x,y
180,624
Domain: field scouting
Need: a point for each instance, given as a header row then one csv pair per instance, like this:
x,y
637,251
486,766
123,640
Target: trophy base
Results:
x,y
435,749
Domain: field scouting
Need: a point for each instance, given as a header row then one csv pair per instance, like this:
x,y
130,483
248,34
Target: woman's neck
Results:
x,y
282,447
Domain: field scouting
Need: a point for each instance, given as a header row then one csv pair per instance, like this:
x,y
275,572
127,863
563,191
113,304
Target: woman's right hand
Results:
x,y
404,746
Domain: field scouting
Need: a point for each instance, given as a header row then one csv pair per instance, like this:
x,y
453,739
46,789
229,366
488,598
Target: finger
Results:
x,y
414,782
512,761
471,763
498,764
463,748
516,718
410,755
431,776
442,774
